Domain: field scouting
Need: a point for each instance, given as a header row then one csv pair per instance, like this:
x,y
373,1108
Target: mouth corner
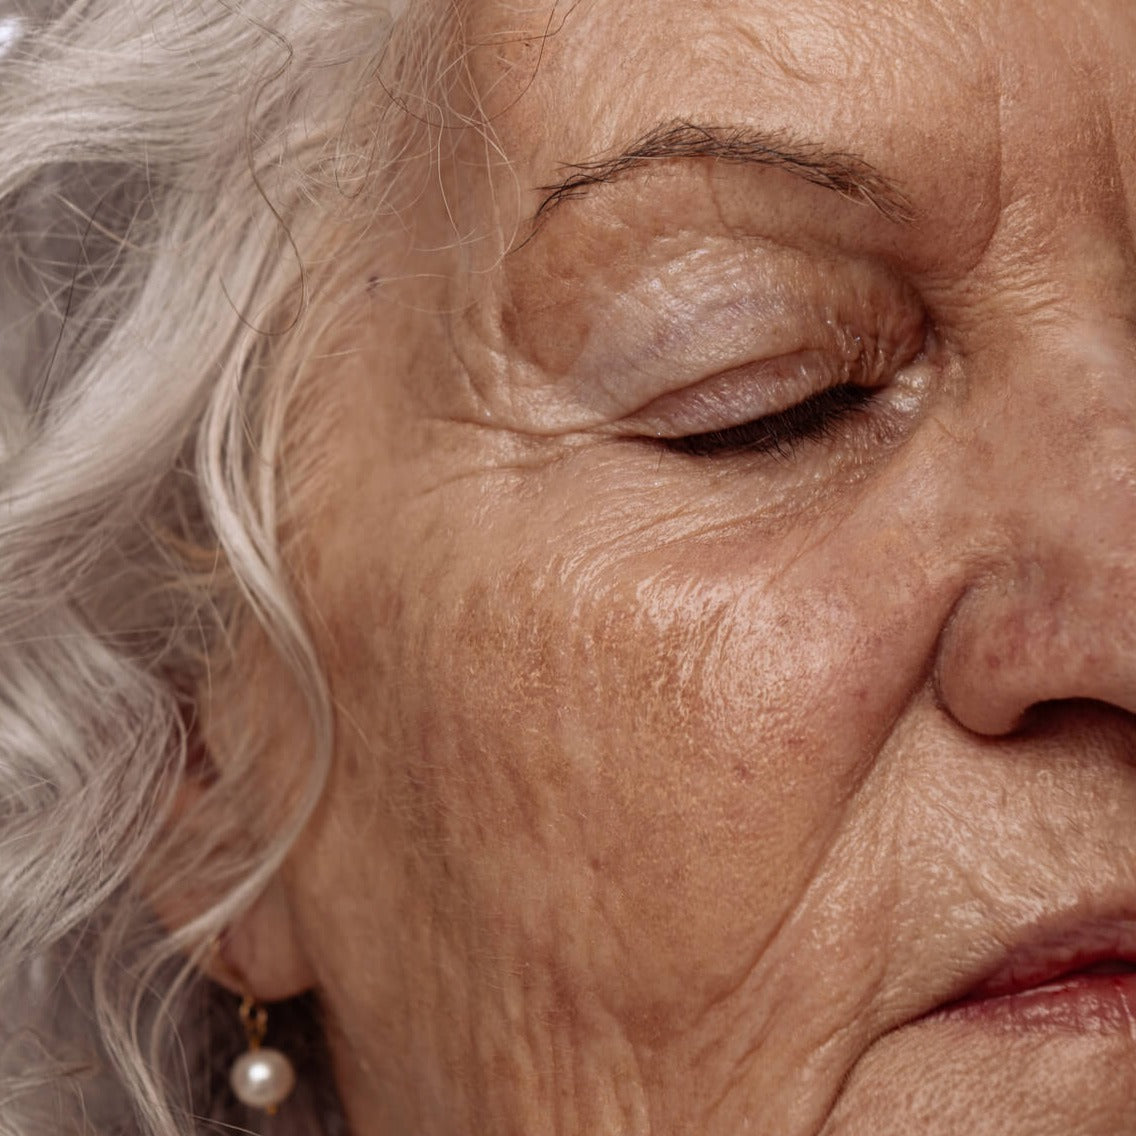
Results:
x,y
1080,974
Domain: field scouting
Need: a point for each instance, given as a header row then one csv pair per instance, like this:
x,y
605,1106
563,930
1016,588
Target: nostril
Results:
x,y
1041,717
1058,714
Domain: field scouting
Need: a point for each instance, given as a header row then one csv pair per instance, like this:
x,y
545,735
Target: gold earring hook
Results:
x,y
254,1017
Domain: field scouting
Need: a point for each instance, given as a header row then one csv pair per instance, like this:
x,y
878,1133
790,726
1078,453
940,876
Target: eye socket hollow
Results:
x,y
812,419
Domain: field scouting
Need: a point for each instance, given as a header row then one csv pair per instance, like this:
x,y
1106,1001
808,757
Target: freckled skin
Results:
x,y
671,791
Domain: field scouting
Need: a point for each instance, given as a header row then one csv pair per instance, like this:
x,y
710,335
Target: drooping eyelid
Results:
x,y
749,392
705,314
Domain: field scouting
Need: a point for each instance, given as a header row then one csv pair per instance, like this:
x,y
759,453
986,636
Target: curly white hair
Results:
x,y
168,169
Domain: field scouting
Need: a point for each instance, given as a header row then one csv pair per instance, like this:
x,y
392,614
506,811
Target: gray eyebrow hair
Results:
x,y
844,173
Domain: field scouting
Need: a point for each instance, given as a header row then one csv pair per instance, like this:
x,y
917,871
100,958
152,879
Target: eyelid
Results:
x,y
712,310
756,390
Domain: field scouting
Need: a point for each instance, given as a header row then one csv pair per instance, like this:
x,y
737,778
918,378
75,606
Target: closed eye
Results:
x,y
815,418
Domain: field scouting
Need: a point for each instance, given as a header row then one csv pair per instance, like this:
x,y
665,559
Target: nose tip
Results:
x,y
1010,650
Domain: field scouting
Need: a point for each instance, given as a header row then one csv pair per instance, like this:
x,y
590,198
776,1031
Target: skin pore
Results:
x,y
675,790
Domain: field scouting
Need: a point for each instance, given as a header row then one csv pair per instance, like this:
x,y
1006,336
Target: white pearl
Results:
x,y
262,1078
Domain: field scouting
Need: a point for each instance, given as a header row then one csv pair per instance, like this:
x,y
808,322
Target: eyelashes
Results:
x,y
813,419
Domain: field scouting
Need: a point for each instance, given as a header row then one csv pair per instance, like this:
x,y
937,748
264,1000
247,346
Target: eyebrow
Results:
x,y
846,174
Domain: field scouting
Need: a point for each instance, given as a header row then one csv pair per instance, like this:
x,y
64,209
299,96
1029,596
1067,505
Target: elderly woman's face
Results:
x,y
727,583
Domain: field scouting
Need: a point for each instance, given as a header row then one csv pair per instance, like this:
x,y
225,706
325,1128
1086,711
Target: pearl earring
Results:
x,y
260,1077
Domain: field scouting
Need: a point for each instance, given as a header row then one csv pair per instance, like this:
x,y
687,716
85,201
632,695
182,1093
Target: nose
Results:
x,y
1048,612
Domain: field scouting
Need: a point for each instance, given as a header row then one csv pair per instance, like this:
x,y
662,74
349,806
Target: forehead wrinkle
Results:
x,y
775,47
821,42
1121,176
1114,142
1068,75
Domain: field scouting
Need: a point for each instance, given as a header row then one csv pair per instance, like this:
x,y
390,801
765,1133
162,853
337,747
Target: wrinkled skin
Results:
x,y
673,792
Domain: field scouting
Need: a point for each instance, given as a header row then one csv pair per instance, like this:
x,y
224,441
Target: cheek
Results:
x,y
619,761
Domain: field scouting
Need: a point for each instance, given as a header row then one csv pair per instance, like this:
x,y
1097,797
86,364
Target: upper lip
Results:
x,y
1043,953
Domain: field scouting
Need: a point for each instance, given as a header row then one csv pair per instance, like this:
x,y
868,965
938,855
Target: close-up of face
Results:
x,y
722,552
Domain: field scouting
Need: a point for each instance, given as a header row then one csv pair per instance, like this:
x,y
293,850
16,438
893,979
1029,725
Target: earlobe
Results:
x,y
259,954
230,740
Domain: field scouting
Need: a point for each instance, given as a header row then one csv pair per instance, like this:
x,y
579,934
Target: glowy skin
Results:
x,y
673,792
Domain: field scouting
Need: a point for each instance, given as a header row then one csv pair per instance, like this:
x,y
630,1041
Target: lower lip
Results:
x,y
1079,1003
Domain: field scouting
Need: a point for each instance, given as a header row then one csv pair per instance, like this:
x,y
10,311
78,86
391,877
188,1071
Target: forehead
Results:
x,y
971,103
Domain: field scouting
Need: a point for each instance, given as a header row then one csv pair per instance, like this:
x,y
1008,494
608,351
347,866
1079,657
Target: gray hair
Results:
x,y
168,168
